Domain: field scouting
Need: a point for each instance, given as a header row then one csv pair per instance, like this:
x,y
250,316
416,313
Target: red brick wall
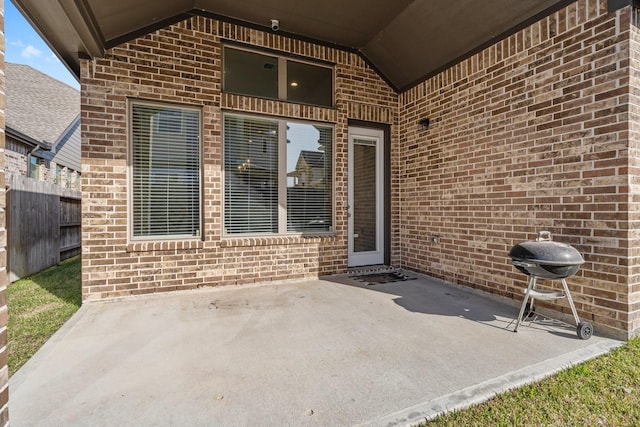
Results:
x,y
634,174
182,64
530,134
16,157
4,371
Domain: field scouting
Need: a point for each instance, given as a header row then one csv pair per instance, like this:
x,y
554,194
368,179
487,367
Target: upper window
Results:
x,y
165,170
309,84
248,72
278,176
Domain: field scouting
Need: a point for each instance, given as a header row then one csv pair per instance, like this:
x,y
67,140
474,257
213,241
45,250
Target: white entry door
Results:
x,y
366,197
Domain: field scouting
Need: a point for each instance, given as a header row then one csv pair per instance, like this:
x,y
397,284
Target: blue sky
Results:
x,y
25,46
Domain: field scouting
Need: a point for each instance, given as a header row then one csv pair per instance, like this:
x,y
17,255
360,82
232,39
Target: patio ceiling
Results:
x,y
405,40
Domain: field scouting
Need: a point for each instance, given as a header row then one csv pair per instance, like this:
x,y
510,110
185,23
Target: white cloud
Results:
x,y
31,52
17,43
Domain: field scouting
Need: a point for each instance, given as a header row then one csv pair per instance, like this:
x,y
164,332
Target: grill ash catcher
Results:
x,y
543,258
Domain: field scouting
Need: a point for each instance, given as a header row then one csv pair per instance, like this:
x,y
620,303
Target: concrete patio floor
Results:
x,y
312,353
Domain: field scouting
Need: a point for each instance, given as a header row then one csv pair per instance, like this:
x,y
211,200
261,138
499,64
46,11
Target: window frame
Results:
x,y
283,59
131,102
58,179
282,177
34,167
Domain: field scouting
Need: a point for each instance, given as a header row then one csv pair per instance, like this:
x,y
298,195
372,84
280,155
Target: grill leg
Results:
x,y
532,283
573,307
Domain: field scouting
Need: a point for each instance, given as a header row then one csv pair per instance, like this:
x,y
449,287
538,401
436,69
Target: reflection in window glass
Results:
x,y
250,73
277,181
309,84
309,190
34,168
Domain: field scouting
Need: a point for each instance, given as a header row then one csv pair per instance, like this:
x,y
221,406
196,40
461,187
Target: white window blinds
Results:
x,y
165,171
251,175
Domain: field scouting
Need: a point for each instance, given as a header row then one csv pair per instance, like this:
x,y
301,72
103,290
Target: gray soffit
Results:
x,y
406,41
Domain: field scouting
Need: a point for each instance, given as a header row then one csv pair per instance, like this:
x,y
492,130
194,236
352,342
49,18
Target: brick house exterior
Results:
x,y
144,69
43,127
533,133
538,131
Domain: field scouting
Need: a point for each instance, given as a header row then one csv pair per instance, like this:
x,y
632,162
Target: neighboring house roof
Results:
x,y
42,111
314,159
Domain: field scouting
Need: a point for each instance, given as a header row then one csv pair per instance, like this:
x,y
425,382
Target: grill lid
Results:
x,y
544,251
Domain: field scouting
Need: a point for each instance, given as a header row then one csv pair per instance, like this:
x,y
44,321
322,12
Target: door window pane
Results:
x,y
364,196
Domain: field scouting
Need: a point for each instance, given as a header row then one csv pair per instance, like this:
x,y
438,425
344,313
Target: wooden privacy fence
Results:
x,y
43,225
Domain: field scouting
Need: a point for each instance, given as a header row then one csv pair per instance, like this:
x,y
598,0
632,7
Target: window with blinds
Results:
x,y
278,176
165,160
251,175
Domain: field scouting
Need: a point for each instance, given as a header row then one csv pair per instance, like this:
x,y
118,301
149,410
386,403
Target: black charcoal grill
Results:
x,y
543,258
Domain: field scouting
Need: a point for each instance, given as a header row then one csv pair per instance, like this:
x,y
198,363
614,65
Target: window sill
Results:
x,y
233,242
165,245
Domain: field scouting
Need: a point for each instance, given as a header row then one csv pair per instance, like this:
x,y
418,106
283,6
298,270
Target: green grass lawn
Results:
x,y
601,392
38,306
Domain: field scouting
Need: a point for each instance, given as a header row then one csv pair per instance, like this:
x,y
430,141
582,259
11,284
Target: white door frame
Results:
x,y
375,257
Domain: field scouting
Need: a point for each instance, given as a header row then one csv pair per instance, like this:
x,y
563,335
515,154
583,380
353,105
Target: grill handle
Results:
x,y
544,236
523,264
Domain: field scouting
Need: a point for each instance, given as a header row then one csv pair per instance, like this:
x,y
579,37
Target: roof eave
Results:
x,y
16,134
81,40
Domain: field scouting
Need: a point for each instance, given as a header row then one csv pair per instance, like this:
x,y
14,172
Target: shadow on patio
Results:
x,y
444,299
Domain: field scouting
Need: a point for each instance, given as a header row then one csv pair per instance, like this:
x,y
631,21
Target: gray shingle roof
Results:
x,y
38,106
315,159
